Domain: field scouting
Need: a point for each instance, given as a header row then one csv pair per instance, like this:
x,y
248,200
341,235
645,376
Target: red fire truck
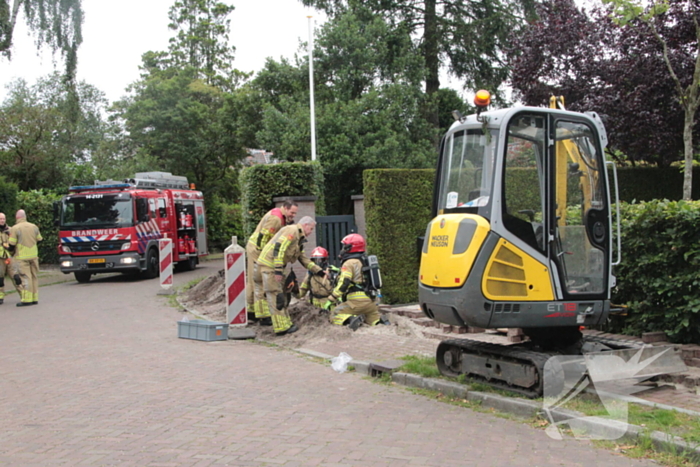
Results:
x,y
115,226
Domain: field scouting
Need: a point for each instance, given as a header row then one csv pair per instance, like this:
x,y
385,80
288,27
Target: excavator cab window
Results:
x,y
581,212
524,181
467,175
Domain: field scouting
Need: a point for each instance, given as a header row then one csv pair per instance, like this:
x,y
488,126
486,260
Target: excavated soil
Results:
x,y
207,299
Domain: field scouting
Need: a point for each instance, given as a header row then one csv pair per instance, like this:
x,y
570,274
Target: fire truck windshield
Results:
x,y
92,210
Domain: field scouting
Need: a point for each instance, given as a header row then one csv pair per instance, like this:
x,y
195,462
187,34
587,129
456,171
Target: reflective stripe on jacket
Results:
x,y
286,247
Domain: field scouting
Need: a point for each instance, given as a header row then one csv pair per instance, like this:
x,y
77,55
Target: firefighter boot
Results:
x,y
384,320
355,322
291,330
266,321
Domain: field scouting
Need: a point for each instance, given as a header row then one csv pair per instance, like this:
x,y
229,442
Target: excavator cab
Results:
x,y
521,235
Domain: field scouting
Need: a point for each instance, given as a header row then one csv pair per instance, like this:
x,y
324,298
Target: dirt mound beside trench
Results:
x,y
207,298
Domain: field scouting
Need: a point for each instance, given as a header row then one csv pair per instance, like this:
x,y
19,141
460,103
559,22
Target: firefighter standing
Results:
x,y
357,307
318,287
24,236
268,226
287,246
8,267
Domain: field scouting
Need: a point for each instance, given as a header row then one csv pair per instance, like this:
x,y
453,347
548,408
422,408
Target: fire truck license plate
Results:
x,y
96,260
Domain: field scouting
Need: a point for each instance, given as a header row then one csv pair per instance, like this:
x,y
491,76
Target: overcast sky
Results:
x,y
117,33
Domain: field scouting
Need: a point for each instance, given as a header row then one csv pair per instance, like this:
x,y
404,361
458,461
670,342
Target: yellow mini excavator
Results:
x,y
521,237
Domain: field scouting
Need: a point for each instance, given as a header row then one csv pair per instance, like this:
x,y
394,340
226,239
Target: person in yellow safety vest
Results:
x,y
356,307
268,226
24,236
287,246
318,287
8,267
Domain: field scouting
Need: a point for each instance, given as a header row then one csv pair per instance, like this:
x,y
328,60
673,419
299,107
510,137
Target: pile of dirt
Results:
x,y
207,298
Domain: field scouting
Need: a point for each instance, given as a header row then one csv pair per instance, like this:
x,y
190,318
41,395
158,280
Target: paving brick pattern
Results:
x,y
95,375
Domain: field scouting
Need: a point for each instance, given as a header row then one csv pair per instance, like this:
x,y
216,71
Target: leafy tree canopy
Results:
x,y
617,71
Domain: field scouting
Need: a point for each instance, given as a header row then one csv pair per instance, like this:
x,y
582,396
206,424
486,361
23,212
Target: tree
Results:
x,y
672,23
55,23
179,115
201,40
44,141
599,66
467,37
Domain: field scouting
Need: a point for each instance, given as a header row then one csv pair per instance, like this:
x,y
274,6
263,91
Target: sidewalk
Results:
x,y
373,345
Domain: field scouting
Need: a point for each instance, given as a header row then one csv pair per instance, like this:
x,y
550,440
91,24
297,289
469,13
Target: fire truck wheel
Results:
x,y
82,276
152,266
190,264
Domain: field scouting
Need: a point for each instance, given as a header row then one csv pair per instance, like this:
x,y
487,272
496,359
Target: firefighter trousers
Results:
x,y
261,308
9,272
354,307
275,302
252,254
29,272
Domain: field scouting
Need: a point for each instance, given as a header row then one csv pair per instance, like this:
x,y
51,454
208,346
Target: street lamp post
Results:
x,y
311,91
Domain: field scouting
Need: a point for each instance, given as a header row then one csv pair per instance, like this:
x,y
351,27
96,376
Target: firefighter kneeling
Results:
x,y
318,287
358,282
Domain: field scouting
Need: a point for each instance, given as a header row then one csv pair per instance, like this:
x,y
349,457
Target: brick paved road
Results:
x,y
95,375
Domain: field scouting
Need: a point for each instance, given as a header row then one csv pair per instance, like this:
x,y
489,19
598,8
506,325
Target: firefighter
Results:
x,y
24,236
8,267
268,226
287,246
318,287
357,306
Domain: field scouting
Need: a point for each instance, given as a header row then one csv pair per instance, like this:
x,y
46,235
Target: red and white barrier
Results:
x,y
234,257
166,262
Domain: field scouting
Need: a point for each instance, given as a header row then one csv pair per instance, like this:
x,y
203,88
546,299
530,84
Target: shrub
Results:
x,y
658,278
261,183
397,211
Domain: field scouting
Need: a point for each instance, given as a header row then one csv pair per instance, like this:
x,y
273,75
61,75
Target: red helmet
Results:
x,y
319,252
353,243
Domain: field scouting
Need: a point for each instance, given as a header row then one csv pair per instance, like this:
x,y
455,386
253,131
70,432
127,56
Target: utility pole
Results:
x,y
311,91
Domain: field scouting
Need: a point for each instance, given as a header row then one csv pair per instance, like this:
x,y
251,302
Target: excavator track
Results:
x,y
513,368
520,369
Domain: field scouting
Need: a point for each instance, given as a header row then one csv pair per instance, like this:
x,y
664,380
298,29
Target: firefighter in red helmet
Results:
x,y
318,287
357,306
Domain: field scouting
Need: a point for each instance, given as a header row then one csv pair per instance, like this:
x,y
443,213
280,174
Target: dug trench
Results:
x,y
207,299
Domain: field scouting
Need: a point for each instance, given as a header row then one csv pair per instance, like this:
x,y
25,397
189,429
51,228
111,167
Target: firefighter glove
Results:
x,y
18,279
321,272
327,305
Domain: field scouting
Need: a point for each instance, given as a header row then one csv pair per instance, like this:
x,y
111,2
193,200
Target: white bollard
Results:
x,y
234,256
166,262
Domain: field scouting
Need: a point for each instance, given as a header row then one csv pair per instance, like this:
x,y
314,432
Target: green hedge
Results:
x,y
261,183
8,199
397,211
39,208
224,220
659,278
649,183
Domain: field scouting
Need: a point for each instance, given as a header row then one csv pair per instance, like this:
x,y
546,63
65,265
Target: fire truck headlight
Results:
x,y
65,248
126,246
128,260
67,264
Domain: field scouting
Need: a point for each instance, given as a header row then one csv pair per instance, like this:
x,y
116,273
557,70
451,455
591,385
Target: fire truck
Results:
x,y
114,226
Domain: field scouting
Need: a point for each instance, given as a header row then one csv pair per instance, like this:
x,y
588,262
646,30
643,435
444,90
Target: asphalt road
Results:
x,y
95,375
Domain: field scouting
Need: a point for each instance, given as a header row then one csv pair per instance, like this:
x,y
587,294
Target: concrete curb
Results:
x,y
593,427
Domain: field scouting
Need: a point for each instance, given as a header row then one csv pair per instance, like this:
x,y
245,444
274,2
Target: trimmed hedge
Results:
x,y
224,220
8,199
659,278
397,211
261,183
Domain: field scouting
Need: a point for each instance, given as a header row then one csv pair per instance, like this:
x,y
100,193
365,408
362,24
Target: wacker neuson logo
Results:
x,y
609,377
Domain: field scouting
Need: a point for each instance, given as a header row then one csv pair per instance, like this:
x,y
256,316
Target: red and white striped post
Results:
x,y
166,262
234,256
